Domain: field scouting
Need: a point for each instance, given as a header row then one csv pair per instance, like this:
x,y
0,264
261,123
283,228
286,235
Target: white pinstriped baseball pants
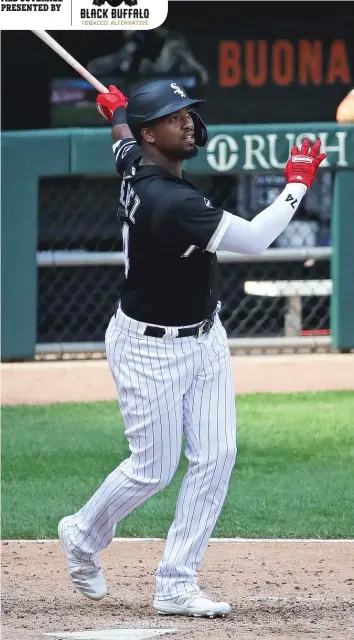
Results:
x,y
167,387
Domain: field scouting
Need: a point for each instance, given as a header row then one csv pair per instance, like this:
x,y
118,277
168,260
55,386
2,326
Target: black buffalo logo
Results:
x,y
115,3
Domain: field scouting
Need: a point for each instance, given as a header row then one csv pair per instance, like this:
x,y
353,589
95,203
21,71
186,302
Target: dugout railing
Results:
x,y
62,260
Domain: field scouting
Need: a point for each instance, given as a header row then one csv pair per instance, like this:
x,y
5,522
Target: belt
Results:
x,y
183,332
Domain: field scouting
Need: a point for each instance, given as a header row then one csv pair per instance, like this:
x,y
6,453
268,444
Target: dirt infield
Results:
x,y
279,590
85,381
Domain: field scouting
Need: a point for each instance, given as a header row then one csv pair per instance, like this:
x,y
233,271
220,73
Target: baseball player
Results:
x,y
166,347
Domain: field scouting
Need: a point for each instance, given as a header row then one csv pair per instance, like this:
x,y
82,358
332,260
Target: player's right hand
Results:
x,y
302,165
107,103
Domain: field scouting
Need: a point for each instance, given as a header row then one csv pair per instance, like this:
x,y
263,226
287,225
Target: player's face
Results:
x,y
173,135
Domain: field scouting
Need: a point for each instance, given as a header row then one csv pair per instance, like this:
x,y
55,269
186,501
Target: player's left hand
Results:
x,y
302,165
107,103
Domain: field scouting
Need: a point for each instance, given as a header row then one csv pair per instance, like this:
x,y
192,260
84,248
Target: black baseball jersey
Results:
x,y
170,235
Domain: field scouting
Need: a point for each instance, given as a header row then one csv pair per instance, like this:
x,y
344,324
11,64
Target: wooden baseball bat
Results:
x,y
53,44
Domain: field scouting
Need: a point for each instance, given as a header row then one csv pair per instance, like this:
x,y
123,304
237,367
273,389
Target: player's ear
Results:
x,y
147,135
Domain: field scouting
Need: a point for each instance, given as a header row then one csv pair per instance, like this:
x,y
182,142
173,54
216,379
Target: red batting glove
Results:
x,y
302,165
107,103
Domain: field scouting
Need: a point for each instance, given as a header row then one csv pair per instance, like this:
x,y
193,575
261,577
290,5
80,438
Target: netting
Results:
x,y
79,214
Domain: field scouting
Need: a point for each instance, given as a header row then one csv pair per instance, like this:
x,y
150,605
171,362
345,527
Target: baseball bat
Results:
x,y
53,44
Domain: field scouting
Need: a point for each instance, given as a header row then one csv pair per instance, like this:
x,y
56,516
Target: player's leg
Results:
x,y
150,394
210,428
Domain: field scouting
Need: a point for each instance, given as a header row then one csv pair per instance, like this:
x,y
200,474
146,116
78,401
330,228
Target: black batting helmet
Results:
x,y
158,99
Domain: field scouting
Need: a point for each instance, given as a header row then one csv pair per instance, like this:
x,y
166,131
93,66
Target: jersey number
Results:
x,y
130,202
125,234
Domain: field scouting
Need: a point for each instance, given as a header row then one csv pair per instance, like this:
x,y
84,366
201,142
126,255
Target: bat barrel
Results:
x,y
55,46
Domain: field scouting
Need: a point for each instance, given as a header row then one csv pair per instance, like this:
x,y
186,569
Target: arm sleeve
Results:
x,y
125,151
242,236
193,219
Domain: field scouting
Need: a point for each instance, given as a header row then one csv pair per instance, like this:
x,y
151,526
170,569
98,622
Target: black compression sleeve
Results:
x,y
119,116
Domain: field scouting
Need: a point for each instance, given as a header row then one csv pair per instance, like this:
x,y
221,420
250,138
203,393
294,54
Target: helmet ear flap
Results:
x,y
200,130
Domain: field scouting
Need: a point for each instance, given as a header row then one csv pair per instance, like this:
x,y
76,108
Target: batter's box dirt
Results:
x,y
279,591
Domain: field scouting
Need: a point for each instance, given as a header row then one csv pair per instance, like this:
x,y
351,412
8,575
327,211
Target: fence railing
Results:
x,y
104,258
250,322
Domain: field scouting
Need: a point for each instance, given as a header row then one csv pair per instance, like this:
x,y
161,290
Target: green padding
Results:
x,y
25,157
342,302
29,155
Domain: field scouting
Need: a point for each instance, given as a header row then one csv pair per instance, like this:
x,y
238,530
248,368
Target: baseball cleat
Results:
x,y
194,603
86,576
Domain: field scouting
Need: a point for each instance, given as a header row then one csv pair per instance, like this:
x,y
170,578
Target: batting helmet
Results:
x,y
158,99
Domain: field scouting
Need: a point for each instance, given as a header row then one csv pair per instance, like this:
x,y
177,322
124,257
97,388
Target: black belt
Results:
x,y
183,332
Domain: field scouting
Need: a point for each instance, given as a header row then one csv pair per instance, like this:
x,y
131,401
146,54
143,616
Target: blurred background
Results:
x,y
225,51
278,70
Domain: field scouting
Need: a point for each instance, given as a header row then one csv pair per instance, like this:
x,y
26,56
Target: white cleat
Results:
x,y
86,576
194,603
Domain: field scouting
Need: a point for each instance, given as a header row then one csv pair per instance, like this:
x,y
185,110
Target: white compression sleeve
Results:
x,y
242,236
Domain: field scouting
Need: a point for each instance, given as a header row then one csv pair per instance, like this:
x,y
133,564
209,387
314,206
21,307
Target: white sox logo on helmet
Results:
x,y
177,89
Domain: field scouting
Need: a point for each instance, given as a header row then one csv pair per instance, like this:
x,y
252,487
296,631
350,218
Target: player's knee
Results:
x,y
159,480
231,453
167,474
225,455
158,483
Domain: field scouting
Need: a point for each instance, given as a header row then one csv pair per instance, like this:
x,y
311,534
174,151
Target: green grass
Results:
x,y
294,476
